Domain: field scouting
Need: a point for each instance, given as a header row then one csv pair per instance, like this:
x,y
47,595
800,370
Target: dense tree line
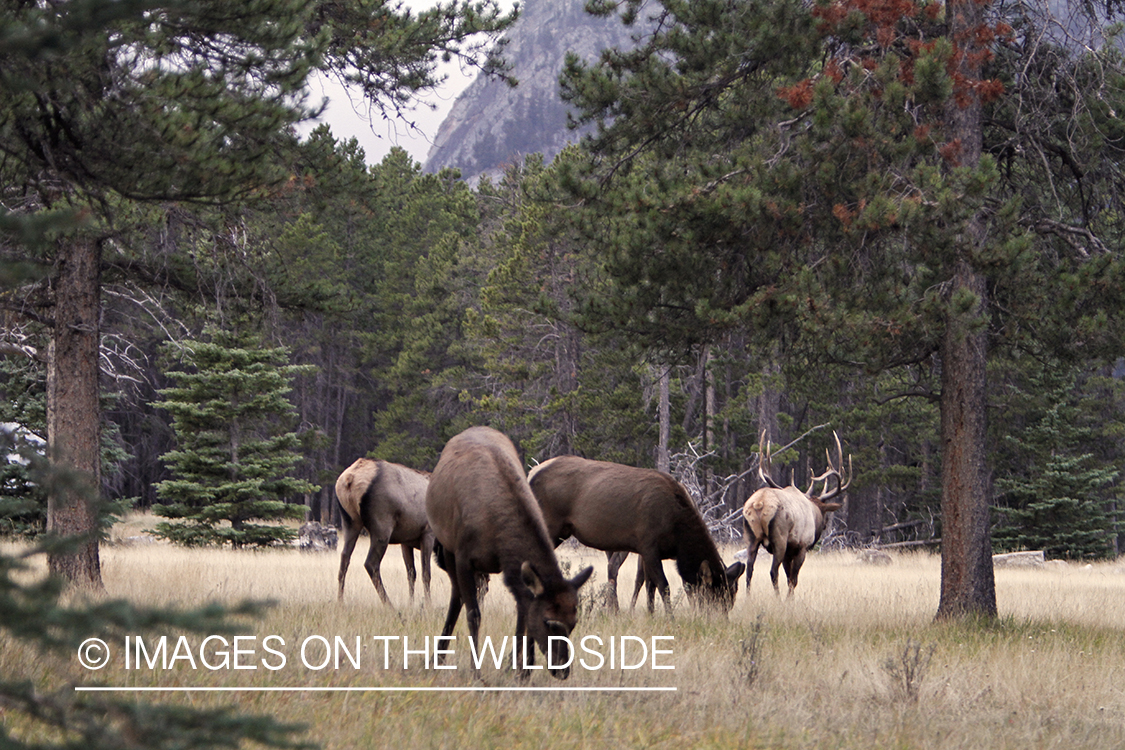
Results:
x,y
794,219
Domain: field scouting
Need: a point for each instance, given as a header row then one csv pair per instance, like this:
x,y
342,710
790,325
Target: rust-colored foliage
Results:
x,y
886,25
798,96
844,214
951,152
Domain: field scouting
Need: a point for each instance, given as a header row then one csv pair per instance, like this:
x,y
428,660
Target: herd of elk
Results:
x,y
786,520
479,514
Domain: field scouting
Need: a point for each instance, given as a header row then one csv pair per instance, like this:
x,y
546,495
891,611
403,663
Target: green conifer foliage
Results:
x,y
1060,502
550,386
41,710
865,176
230,414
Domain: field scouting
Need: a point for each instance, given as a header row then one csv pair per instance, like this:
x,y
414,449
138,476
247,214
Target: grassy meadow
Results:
x,y
854,660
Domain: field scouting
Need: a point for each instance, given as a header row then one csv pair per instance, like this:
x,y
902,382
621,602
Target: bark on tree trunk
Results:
x,y
74,415
664,408
968,587
769,402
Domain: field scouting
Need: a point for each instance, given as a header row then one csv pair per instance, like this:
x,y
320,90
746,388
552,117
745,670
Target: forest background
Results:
x,y
422,305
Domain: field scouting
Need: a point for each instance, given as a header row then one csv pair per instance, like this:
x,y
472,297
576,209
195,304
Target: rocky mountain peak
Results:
x,y
491,124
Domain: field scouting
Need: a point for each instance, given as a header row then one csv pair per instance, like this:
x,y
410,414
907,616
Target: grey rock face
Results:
x,y
491,125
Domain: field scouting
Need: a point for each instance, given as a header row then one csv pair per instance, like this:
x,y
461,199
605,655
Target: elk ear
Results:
x,y
705,577
582,577
829,507
733,572
531,580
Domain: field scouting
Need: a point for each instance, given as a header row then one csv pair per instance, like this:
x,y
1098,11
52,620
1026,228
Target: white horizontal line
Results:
x,y
374,689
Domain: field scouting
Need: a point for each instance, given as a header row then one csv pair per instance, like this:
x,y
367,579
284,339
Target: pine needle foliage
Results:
x,y
37,712
1060,503
230,413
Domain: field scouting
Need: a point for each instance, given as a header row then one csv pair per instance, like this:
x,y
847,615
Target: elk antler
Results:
x,y
764,461
834,470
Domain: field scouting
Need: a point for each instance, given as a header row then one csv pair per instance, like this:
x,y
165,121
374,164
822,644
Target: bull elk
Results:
x,y
619,508
389,501
786,520
486,520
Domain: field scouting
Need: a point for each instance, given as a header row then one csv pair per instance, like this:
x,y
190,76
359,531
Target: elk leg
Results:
x,y
752,545
656,581
467,584
427,552
638,582
793,567
351,534
751,558
773,570
615,560
779,547
411,573
374,559
450,566
520,592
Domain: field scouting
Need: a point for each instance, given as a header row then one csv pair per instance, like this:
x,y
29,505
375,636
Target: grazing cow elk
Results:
x,y
787,521
487,521
389,501
619,508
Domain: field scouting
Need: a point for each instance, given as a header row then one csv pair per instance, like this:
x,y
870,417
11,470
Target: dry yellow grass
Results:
x,y
830,668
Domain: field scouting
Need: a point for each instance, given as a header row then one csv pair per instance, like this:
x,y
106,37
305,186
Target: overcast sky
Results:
x,y
348,116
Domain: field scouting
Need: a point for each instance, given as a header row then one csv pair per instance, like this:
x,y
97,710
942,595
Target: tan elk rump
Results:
x,y
486,521
619,508
389,500
786,520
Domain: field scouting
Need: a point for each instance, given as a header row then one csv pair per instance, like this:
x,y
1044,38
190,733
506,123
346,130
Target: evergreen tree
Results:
x,y
43,711
548,384
831,171
230,415
35,614
425,275
1060,502
172,101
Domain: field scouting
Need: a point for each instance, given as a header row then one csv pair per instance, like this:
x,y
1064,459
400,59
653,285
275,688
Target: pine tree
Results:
x,y
43,711
229,414
552,387
833,171
104,104
1059,503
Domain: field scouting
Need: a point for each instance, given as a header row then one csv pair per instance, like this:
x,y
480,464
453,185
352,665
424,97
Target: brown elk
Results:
x,y
786,520
619,508
389,501
487,521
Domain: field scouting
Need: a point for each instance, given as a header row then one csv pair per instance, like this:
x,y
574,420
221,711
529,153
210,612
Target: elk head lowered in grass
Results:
x,y
620,508
487,521
389,501
786,520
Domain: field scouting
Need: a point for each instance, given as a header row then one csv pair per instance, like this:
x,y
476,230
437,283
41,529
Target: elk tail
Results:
x,y
439,555
759,512
354,486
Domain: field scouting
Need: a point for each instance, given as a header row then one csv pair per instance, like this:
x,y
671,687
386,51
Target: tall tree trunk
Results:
x,y
968,587
708,418
567,358
73,413
769,401
664,410
967,583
